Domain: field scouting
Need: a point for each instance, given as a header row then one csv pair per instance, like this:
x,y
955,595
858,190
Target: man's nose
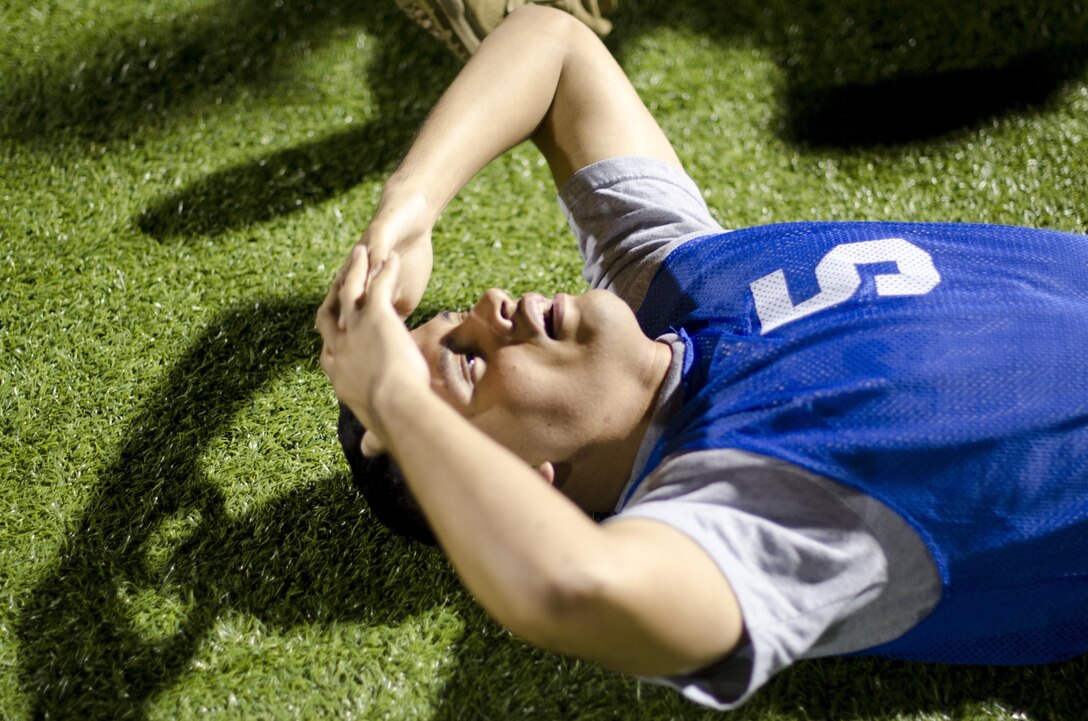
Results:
x,y
495,311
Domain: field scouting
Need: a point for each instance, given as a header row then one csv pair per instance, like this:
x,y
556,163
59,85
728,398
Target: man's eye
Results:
x,y
468,358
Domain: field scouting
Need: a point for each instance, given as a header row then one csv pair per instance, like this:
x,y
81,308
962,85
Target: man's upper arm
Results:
x,y
661,607
596,113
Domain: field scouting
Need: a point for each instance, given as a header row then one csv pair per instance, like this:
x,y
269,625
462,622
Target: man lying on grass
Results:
x,y
816,438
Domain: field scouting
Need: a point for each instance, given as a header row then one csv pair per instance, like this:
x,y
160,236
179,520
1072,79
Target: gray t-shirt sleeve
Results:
x,y
817,568
628,214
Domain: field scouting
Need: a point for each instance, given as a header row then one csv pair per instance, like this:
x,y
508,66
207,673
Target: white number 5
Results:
x,y
838,277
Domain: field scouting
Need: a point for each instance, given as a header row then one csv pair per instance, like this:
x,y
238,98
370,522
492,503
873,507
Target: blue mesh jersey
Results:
x,y
939,368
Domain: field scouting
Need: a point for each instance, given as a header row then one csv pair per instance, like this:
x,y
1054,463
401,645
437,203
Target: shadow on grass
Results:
x,y
873,84
137,78
889,72
156,531
911,109
310,173
940,65
113,82
854,73
866,689
278,185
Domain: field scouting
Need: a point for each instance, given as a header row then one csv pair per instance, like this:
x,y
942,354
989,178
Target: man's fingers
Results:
x,y
384,283
327,314
372,446
355,280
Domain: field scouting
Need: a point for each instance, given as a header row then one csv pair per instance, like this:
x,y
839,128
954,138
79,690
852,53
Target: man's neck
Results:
x,y
597,475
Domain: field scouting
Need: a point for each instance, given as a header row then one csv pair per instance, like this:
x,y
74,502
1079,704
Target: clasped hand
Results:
x,y
368,353
402,224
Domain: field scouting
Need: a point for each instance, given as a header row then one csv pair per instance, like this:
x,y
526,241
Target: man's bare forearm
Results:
x,y
517,543
497,101
540,75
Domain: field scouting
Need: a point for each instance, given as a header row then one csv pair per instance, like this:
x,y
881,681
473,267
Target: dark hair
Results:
x,y
382,484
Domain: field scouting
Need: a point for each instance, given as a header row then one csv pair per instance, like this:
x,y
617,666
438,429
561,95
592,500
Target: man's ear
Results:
x,y
371,445
547,472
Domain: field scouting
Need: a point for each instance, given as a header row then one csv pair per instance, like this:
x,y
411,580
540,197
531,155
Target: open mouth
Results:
x,y
549,320
541,313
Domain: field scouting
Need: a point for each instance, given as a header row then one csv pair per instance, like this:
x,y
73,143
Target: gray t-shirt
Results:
x,y
817,568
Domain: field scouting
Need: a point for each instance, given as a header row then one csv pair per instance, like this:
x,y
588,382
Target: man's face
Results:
x,y
541,376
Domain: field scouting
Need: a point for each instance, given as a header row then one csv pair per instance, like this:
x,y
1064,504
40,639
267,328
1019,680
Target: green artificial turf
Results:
x,y
178,535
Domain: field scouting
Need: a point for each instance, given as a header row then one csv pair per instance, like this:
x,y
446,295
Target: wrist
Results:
x,y
403,191
395,400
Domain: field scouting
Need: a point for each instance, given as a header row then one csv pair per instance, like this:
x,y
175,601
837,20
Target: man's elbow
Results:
x,y
598,612
568,607
553,27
